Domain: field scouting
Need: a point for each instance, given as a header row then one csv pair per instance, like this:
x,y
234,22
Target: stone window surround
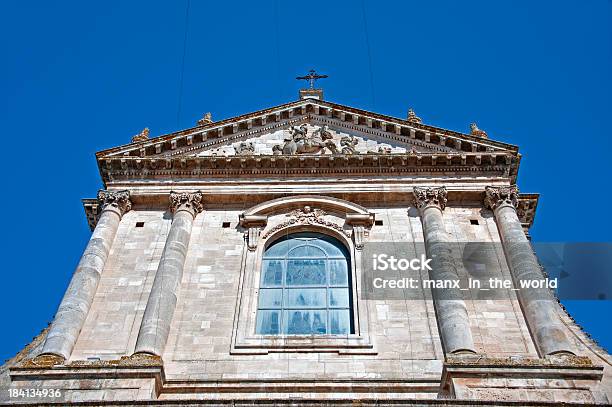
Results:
x,y
244,339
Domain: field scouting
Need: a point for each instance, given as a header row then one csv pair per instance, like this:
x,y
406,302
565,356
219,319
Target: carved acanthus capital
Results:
x,y
496,197
119,200
425,197
190,201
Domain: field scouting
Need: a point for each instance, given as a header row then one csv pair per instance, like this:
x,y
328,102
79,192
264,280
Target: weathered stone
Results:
x,y
78,298
451,311
538,304
162,300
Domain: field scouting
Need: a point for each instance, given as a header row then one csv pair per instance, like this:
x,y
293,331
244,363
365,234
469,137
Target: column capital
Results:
x,y
189,201
497,197
425,197
117,200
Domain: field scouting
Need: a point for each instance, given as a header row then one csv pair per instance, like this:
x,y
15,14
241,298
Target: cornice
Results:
x,y
526,210
275,166
223,130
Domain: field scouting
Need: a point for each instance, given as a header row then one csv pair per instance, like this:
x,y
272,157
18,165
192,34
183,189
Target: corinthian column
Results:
x,y
451,311
538,305
80,293
158,314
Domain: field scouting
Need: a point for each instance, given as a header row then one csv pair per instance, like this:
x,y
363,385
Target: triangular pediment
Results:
x,y
310,136
353,131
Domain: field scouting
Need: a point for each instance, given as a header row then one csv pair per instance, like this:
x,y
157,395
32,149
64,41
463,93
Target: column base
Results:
x,y
522,379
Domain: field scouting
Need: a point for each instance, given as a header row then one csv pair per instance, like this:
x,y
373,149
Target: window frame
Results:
x,y
307,239
246,341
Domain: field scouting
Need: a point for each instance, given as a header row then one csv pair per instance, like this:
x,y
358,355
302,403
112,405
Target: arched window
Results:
x,y
305,287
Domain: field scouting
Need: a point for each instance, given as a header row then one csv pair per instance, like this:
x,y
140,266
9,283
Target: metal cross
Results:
x,y
311,77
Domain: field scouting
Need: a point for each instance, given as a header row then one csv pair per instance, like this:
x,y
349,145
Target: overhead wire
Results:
x,y
182,71
369,52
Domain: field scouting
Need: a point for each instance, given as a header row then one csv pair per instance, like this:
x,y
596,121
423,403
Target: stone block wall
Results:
x,y
404,334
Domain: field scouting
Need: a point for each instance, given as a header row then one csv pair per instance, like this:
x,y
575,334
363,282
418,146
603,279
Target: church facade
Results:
x,y
226,265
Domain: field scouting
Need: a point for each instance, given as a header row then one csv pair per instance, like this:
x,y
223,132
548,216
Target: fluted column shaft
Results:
x,y
538,305
77,300
451,311
157,318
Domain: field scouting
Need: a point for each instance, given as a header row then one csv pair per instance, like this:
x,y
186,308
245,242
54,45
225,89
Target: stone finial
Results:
x,y
412,117
475,131
206,119
496,197
115,199
142,136
425,197
186,201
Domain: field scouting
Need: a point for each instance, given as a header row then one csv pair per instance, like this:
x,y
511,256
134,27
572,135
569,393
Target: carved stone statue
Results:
x,y
244,148
207,119
300,142
412,117
475,131
142,136
347,144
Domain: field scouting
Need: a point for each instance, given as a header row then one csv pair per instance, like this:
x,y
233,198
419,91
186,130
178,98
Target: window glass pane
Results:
x,y
270,298
339,322
307,250
304,287
330,249
338,274
272,274
305,298
306,272
268,322
338,297
305,322
279,249
300,251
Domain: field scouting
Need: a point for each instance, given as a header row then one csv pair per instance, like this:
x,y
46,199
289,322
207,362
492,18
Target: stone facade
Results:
x,y
161,308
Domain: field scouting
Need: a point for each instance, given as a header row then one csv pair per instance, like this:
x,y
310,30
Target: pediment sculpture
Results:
x,y
300,141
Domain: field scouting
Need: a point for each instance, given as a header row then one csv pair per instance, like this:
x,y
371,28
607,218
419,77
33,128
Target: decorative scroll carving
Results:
x,y
191,201
253,225
412,117
475,131
115,199
142,136
498,196
305,216
425,197
252,235
360,235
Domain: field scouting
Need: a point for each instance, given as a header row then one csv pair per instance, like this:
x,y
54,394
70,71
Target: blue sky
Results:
x,y
78,77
